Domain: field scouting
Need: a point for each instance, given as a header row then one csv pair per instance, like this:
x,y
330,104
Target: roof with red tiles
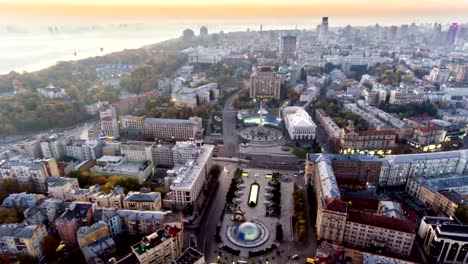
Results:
x,y
381,221
335,205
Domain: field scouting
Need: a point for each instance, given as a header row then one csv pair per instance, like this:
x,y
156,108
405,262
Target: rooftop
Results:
x,y
448,182
86,230
17,230
381,221
166,121
189,256
410,158
453,196
187,175
75,210
142,197
60,181
355,158
151,241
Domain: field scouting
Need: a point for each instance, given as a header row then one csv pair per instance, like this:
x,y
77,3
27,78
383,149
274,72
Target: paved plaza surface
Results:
x,y
261,134
258,212
205,234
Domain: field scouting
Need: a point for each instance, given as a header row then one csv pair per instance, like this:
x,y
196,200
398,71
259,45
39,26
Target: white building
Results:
x,y
396,169
439,75
137,151
406,97
19,239
53,147
109,124
29,172
298,123
117,165
51,92
178,129
183,152
61,188
84,150
189,179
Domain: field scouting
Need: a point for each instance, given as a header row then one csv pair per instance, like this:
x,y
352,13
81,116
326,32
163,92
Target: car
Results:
x,y
296,256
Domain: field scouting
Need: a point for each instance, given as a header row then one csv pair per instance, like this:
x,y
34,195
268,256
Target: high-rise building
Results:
x,y
287,46
265,83
324,30
460,37
439,75
109,124
452,33
188,34
203,31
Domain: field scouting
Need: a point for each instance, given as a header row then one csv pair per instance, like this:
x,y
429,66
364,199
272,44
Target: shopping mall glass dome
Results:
x,y
248,231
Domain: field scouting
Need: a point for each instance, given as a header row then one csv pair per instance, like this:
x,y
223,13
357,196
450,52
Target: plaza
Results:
x,y
261,134
249,223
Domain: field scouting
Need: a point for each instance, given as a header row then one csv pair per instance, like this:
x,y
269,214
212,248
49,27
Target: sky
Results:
x,y
27,10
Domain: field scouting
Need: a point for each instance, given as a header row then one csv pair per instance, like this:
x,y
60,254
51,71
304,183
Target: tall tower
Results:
x,y
452,33
203,31
287,46
324,30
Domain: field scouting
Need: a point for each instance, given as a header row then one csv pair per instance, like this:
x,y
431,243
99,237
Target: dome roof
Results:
x,y
248,231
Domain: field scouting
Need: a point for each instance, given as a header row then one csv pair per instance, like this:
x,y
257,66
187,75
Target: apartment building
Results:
x,y
137,151
406,97
444,238
19,239
162,155
33,173
351,138
161,247
76,215
341,225
175,129
332,129
53,147
356,171
143,201
183,152
396,169
132,125
84,150
94,241
109,121
365,230
188,180
61,188
146,222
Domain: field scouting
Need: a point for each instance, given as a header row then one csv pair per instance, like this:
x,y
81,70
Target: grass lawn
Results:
x,y
300,153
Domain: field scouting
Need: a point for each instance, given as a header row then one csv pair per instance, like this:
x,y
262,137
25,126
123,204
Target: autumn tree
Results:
x,y
50,244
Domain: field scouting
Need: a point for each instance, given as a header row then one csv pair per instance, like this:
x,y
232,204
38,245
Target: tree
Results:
x,y
8,215
212,97
215,171
461,213
50,244
279,232
329,67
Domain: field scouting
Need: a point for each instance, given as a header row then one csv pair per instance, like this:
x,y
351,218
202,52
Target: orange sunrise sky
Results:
x,y
128,9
